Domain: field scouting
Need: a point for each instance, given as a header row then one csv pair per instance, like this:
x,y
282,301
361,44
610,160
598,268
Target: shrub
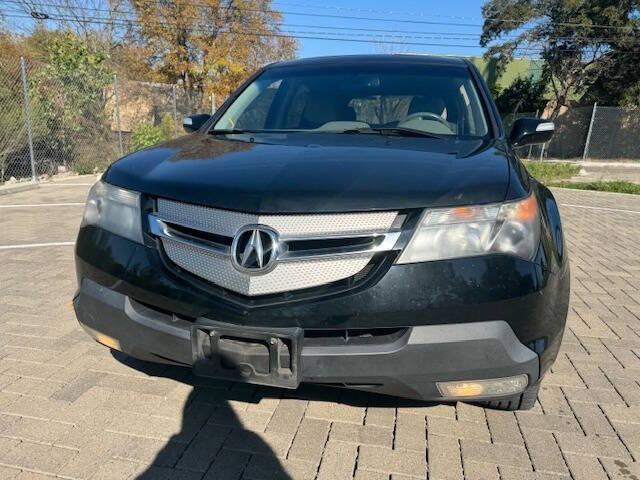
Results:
x,y
147,134
144,136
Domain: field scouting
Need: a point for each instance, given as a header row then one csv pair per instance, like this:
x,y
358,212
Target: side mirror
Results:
x,y
530,131
192,123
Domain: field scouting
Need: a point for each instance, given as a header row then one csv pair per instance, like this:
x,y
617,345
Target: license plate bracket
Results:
x,y
247,354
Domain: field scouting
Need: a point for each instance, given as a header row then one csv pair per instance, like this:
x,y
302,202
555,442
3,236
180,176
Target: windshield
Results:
x,y
437,100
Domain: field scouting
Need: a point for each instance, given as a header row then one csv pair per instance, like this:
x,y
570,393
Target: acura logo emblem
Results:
x,y
254,249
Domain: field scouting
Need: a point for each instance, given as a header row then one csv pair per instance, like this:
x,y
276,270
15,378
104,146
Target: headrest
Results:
x,y
427,104
320,110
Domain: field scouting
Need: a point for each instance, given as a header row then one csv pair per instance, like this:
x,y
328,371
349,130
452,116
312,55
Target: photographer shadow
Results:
x,y
212,443
214,440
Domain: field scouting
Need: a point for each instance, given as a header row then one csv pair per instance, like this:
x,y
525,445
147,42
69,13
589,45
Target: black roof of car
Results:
x,y
369,59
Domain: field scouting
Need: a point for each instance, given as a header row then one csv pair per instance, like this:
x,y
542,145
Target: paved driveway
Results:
x,y
71,409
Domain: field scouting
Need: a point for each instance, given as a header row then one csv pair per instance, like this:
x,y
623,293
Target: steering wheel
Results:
x,y
426,116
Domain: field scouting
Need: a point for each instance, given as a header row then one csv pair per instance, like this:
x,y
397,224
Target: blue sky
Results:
x,y
402,21
456,11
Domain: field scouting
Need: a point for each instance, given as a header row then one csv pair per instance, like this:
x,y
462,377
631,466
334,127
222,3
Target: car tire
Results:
x,y
525,401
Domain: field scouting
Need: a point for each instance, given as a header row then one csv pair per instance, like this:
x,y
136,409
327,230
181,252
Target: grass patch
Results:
x,y
616,186
552,171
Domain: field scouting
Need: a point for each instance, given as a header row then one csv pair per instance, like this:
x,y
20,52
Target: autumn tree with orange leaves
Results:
x,y
209,46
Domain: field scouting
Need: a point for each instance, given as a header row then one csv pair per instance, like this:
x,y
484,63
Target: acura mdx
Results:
x,y
355,221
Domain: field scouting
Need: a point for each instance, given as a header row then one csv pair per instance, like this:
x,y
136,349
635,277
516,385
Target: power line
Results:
x,y
330,27
394,32
531,44
287,34
294,35
422,14
351,17
391,33
135,24
380,19
369,10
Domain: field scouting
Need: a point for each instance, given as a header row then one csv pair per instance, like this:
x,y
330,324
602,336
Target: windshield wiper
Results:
x,y
227,131
233,131
400,131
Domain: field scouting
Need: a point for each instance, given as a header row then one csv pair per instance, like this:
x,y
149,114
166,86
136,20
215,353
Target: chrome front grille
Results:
x,y
227,222
284,277
311,250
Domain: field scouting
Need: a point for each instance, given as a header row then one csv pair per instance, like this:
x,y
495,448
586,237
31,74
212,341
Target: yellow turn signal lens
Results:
x,y
462,389
108,341
490,387
103,339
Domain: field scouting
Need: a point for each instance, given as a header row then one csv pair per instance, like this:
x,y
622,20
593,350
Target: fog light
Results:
x,y
105,340
491,387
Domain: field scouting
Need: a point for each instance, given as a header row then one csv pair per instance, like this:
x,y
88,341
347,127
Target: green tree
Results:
x,y
71,88
523,95
577,50
619,85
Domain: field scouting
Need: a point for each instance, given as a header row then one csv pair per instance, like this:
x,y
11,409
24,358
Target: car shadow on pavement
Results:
x,y
215,440
212,438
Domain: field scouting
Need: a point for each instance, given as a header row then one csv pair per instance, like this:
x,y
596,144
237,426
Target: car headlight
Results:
x,y
114,209
512,228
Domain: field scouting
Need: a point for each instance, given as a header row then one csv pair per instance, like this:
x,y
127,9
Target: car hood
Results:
x,y
296,173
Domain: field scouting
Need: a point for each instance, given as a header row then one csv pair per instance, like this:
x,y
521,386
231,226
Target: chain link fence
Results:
x,y
613,134
15,144
54,120
70,114
152,110
588,133
568,141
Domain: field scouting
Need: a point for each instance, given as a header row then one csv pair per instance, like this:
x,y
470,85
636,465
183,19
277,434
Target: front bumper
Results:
x,y
530,298
409,366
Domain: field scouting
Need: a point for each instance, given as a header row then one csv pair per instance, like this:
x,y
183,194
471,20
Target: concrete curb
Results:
x,y
621,164
18,187
594,191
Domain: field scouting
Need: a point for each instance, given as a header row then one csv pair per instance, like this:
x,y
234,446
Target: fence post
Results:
x,y
115,91
175,112
585,154
27,117
531,146
213,103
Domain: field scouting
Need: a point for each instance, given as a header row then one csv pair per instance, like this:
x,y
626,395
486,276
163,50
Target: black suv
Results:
x,y
359,221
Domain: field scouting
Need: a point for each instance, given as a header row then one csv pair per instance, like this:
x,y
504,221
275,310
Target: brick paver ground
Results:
x,y
70,409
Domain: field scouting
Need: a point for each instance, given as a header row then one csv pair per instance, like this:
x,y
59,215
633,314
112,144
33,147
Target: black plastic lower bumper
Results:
x,y
407,366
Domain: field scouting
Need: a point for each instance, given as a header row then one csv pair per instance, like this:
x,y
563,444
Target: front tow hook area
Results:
x,y
249,355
